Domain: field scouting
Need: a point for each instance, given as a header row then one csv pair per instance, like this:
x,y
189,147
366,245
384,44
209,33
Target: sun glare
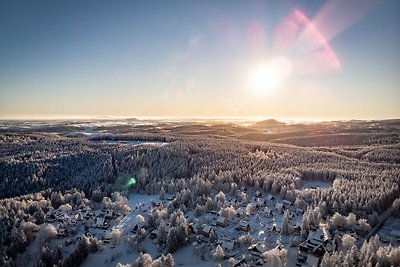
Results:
x,y
268,77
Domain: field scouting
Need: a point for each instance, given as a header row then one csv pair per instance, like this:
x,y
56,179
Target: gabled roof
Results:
x,y
267,210
221,219
227,245
207,228
244,223
287,202
269,197
316,237
258,248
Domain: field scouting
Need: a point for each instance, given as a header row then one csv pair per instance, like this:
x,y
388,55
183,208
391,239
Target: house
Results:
x,y
260,262
258,194
101,223
317,243
107,236
268,212
287,203
227,245
193,228
170,198
88,214
222,221
260,202
207,229
61,216
243,226
269,198
316,237
86,208
270,227
257,249
109,214
240,211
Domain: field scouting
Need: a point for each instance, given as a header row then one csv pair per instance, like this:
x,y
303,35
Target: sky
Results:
x,y
273,59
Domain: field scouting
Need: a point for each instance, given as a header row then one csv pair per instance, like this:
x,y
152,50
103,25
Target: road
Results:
x,y
383,217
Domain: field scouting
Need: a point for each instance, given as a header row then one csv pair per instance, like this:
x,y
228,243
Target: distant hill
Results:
x,y
269,123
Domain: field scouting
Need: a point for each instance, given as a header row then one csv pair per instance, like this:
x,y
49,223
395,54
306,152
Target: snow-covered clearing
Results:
x,y
315,184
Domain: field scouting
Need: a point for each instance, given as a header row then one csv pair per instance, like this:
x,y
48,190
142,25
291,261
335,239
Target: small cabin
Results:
x,y
227,245
287,203
243,226
257,249
268,212
207,229
107,237
269,197
222,221
109,214
101,223
193,228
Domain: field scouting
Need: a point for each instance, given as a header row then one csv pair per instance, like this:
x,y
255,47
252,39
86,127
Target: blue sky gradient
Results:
x,y
188,58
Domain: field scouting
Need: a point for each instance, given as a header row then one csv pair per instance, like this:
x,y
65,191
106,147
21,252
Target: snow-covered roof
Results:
x,y
243,223
287,202
221,219
316,237
259,248
100,221
227,245
107,234
109,212
267,210
268,197
207,228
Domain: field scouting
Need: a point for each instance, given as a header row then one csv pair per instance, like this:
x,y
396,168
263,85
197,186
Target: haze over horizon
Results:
x,y
325,60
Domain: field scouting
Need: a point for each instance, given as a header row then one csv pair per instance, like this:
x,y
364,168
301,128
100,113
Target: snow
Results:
x,y
315,184
133,142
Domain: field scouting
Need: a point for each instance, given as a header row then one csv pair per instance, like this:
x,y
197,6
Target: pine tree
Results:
x,y
285,224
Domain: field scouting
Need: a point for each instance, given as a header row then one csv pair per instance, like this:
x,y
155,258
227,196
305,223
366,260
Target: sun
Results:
x,y
268,77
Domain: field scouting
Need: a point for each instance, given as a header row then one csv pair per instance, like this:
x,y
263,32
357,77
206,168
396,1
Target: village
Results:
x,y
243,227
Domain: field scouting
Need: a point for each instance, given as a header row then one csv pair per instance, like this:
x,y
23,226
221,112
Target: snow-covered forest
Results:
x,y
338,177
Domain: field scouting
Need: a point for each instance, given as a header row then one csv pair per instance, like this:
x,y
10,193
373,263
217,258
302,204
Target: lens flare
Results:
x,y
131,181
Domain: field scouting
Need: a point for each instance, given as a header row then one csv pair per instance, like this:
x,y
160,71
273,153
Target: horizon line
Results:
x,y
17,117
